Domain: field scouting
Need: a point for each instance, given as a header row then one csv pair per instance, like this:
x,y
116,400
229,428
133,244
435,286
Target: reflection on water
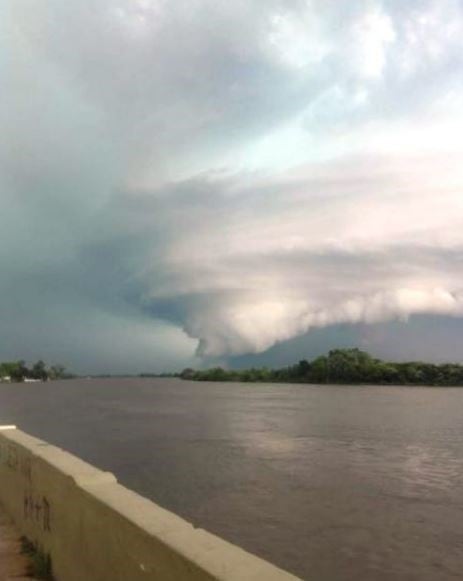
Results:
x,y
430,468
264,440
263,443
333,483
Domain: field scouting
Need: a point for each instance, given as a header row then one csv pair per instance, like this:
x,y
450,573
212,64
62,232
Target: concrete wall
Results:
x,y
95,529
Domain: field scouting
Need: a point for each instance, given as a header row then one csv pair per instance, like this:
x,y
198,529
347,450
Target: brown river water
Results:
x,y
336,483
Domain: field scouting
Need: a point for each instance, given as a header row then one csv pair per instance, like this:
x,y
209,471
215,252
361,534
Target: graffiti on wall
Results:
x,y
37,509
26,468
12,458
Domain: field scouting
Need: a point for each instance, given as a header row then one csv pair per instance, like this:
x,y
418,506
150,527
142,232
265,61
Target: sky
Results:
x,y
198,182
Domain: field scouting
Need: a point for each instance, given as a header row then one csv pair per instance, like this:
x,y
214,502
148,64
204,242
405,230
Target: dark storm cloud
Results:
x,y
227,175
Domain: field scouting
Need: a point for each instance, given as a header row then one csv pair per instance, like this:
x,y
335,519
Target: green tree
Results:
x,y
319,370
39,371
18,371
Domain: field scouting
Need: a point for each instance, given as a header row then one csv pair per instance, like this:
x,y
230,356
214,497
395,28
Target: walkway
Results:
x,y
13,565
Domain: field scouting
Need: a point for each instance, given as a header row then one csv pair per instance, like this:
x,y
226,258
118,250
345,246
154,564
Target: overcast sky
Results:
x,y
193,181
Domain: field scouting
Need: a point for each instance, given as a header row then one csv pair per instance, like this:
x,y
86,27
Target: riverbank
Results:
x,y
69,510
341,367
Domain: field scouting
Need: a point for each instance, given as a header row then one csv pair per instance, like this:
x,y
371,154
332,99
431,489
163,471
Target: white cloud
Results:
x,y
298,40
372,36
361,241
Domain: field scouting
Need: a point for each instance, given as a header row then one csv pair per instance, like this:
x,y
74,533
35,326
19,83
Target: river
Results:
x,y
334,483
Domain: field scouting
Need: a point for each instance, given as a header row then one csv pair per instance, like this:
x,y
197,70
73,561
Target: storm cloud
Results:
x,y
211,179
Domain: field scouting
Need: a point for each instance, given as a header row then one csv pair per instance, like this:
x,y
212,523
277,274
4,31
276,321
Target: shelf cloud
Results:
x,y
211,179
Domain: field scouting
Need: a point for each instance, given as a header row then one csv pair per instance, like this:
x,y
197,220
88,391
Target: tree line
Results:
x,y
18,371
341,366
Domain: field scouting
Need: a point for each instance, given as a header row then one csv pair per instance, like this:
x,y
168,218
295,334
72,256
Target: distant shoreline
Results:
x,y
341,367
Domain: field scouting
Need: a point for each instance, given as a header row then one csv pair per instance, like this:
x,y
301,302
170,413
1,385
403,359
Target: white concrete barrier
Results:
x,y
97,530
